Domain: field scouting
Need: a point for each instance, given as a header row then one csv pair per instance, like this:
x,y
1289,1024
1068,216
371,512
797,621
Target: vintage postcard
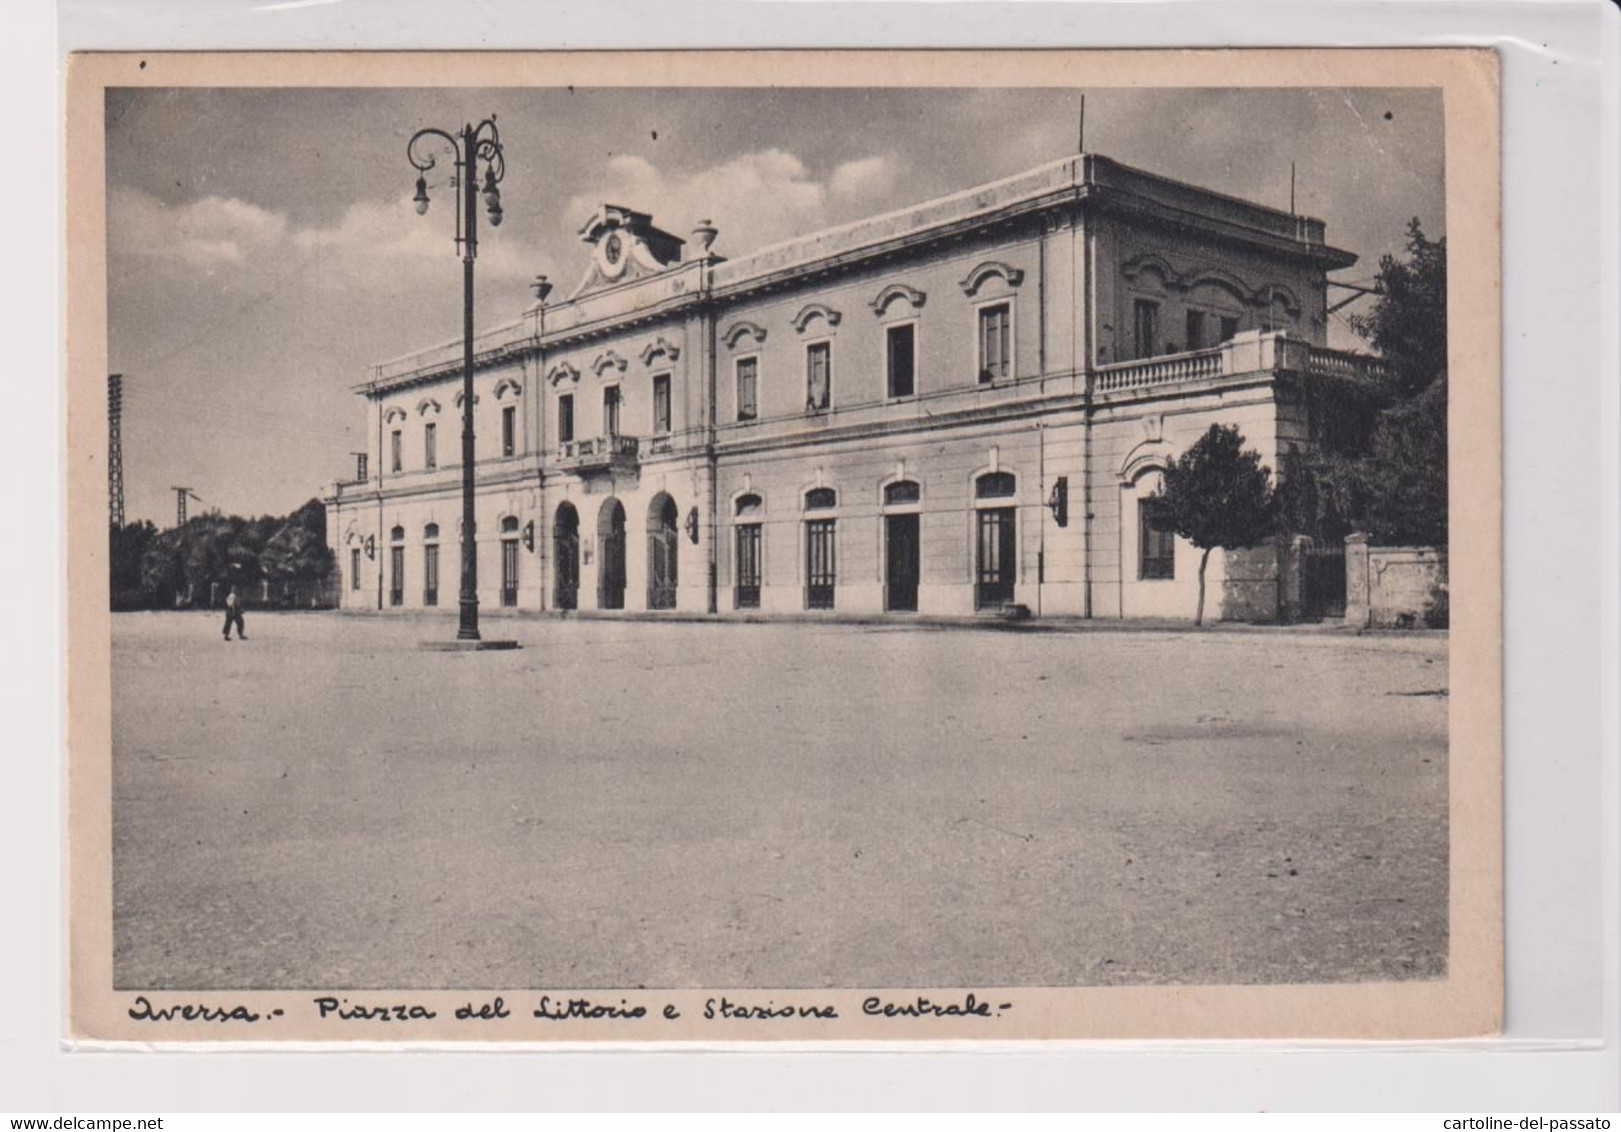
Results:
x,y
784,546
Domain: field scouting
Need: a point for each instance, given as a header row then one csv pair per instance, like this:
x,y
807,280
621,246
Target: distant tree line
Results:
x,y
279,561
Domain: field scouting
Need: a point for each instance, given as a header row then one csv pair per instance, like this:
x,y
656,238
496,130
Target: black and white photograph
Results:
x,y
646,550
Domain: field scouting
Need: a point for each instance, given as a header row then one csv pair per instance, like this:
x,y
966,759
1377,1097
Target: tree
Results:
x,y
1218,494
1379,458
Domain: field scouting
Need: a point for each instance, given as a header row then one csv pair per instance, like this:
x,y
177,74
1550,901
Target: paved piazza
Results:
x,y
624,804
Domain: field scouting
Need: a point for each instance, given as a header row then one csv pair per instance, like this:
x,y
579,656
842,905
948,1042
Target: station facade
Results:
x,y
962,406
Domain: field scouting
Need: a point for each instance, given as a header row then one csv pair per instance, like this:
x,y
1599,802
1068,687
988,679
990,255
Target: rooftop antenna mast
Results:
x,y
1291,188
1080,137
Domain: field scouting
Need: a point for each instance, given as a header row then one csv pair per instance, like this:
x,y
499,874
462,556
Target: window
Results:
x,y
610,411
898,494
995,344
1196,330
818,376
509,430
354,569
902,360
565,418
748,375
1229,327
661,404
821,499
820,572
996,485
1145,327
430,564
509,561
396,565
1156,543
396,449
430,445
748,566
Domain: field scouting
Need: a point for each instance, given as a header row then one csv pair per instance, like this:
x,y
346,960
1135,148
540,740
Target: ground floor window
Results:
x,y
748,566
396,571
354,569
820,563
1156,543
509,561
430,574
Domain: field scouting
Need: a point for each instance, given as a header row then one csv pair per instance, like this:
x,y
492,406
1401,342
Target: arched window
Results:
x,y
746,592
902,492
430,564
396,564
509,561
995,485
821,499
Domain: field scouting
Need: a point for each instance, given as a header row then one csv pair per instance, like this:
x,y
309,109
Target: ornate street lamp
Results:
x,y
471,145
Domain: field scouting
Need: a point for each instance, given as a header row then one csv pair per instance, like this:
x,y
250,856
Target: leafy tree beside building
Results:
x,y
1379,459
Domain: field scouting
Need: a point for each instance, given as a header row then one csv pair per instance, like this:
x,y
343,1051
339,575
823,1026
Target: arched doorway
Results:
x,y
996,551
902,560
611,555
566,557
663,549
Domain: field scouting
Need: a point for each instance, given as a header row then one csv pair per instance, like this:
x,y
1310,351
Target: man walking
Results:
x,y
233,616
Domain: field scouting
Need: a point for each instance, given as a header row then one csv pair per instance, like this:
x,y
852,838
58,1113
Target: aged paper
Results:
x,y
646,846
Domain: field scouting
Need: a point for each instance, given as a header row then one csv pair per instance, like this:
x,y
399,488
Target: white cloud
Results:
x,y
864,178
755,199
205,232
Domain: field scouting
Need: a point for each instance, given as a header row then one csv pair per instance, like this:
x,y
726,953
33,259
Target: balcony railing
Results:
x,y
599,453
1252,352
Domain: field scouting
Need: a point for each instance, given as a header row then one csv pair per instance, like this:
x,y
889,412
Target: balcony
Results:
x,y
1248,353
599,454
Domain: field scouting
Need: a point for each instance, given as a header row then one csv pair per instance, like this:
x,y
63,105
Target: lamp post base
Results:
x,y
468,646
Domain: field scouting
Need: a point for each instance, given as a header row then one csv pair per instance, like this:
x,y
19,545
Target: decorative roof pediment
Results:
x,y
897,291
608,358
976,278
812,310
508,385
659,346
625,245
740,329
427,405
561,372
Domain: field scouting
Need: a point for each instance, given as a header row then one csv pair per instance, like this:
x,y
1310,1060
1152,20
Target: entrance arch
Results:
x,y
566,557
663,551
611,555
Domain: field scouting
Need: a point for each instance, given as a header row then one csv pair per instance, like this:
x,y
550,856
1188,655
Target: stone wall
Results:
x,y
1394,587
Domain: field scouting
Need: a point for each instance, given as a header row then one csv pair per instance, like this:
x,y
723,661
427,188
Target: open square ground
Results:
x,y
624,804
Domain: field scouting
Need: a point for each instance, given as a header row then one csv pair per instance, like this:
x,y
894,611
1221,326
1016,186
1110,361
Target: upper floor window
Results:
x,y
509,430
610,411
1145,327
818,376
661,404
565,418
396,450
1196,330
995,342
902,342
748,388
1229,327
430,445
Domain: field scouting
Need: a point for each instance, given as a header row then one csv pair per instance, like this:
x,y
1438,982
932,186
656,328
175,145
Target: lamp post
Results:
x,y
471,145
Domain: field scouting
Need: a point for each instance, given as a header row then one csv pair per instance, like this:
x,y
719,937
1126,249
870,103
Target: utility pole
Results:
x,y
115,449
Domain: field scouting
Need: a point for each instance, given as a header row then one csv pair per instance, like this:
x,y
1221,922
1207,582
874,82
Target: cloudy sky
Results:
x,y
263,251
